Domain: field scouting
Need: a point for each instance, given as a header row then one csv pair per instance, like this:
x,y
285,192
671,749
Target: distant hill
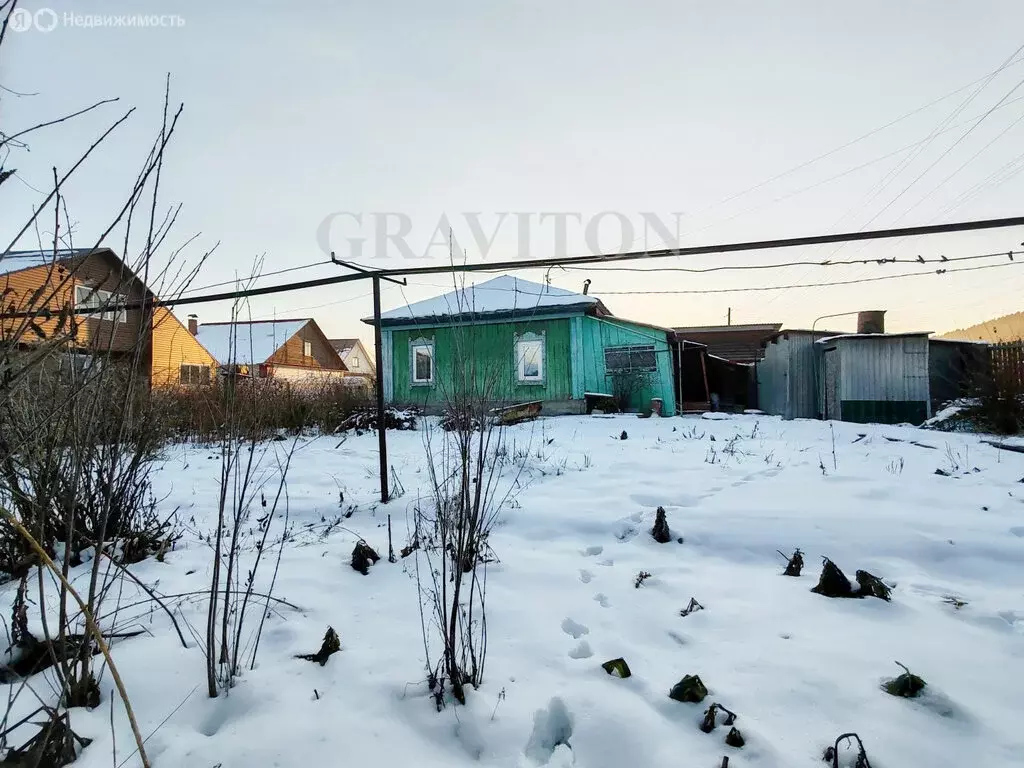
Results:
x,y
1005,328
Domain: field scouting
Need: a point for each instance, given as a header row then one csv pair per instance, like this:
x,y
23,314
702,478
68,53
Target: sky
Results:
x,y
579,116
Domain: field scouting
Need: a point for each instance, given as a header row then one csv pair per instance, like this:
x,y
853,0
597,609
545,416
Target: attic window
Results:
x,y
353,362
307,349
639,357
94,298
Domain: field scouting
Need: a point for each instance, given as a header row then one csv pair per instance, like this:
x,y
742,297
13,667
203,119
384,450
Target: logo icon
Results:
x,y
46,19
20,20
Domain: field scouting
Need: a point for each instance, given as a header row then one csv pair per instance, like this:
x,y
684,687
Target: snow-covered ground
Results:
x,y
798,668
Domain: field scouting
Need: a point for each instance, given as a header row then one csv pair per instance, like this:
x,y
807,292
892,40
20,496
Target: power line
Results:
x,y
785,264
755,245
259,276
854,281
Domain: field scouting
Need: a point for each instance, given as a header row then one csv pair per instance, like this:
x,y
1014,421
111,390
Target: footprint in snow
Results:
x,y
586,576
602,599
593,550
581,651
574,629
607,561
1018,530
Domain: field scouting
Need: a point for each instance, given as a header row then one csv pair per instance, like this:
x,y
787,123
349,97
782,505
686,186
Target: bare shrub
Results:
x,y
260,407
627,386
253,476
465,458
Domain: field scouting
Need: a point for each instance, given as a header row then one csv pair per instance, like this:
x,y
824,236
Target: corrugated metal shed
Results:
x,y
789,376
876,377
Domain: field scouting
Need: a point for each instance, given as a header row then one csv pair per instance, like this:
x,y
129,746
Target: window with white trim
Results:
x,y
639,357
94,298
193,375
307,349
530,358
353,362
421,361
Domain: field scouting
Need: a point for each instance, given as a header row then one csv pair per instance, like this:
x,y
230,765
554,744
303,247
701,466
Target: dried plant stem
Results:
x,y
90,624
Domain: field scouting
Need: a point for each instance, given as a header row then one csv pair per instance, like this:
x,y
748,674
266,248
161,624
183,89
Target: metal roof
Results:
x,y
15,261
877,336
248,343
737,343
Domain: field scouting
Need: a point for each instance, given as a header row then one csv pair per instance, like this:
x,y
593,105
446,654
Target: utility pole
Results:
x,y
728,316
382,440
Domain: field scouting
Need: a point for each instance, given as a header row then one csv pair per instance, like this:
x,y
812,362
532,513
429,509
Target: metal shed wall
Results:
x,y
884,379
788,378
773,378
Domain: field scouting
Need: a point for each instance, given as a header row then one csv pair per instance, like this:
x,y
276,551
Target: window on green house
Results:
x,y
422,354
530,358
640,357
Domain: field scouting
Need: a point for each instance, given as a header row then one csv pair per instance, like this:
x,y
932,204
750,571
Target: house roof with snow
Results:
x,y
15,261
501,297
247,343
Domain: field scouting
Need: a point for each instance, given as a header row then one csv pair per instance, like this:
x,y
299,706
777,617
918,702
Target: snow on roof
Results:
x,y
500,295
908,334
246,343
15,261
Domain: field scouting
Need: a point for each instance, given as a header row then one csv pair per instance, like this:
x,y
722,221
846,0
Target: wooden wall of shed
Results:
x,y
173,346
292,353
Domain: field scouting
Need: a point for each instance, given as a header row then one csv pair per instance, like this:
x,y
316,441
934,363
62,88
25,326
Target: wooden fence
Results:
x,y
1007,361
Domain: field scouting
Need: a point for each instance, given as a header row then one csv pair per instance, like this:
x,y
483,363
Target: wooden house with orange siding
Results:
x,y
55,286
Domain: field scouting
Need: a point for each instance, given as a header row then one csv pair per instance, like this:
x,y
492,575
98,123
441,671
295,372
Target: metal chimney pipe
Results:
x,y
872,321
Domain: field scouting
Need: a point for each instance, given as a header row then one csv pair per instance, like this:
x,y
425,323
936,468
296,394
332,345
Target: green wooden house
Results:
x,y
522,342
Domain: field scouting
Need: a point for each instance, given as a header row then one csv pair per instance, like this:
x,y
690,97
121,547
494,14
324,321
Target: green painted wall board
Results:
x,y
485,355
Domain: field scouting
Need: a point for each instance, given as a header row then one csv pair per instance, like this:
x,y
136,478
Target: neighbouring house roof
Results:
x,y
876,336
15,261
247,343
941,340
500,296
737,343
343,346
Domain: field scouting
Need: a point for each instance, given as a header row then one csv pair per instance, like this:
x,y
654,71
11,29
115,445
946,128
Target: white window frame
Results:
x,y
307,349
94,298
181,379
419,344
521,342
353,362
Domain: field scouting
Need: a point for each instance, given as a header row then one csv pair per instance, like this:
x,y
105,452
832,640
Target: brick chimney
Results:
x,y
193,324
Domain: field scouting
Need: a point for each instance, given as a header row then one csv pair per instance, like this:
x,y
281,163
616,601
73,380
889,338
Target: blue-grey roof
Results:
x,y
247,343
15,261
